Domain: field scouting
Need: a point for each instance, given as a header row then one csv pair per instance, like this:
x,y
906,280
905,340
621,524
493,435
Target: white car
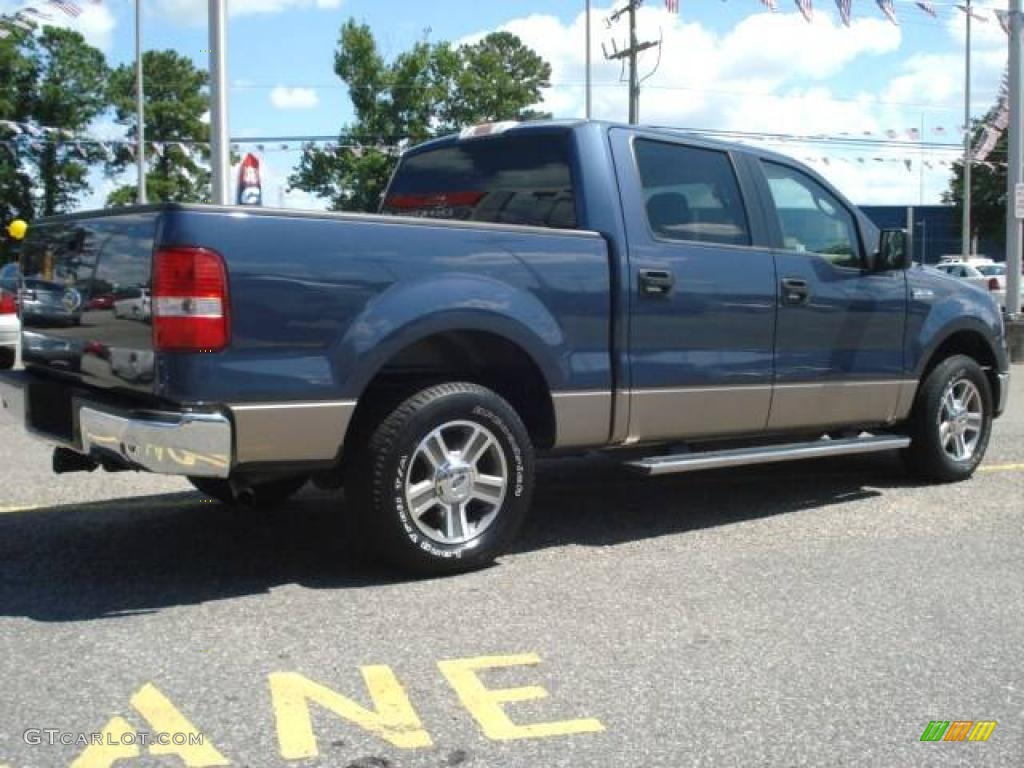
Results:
x,y
134,304
984,273
10,326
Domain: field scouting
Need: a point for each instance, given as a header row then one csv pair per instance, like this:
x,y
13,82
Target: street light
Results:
x,y
219,161
966,223
140,108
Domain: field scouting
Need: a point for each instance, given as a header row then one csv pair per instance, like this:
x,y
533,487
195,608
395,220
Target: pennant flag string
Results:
x,y
889,10
845,7
806,8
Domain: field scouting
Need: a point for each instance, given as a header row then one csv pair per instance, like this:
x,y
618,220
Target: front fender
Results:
x,y
953,315
410,311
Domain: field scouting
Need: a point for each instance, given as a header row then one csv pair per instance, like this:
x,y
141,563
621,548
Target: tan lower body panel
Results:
x,y
582,418
285,432
834,404
668,414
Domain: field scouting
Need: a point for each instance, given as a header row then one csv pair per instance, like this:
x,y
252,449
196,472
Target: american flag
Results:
x,y
69,7
927,7
969,11
771,5
672,6
889,9
1004,19
806,8
844,11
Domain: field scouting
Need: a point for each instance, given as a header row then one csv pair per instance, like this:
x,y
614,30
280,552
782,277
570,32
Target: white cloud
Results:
x,y
283,97
774,73
194,11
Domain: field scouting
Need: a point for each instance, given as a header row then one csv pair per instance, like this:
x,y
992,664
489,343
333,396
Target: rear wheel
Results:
x,y
951,422
7,358
445,481
263,495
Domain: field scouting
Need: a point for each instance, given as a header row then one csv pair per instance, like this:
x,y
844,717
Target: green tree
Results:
x,y
988,182
68,94
176,137
17,77
53,81
427,91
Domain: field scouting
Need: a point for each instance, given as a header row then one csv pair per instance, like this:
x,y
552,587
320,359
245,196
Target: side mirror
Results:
x,y
892,253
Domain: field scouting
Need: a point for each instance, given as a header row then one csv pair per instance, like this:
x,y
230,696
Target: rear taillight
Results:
x,y
8,306
190,301
993,284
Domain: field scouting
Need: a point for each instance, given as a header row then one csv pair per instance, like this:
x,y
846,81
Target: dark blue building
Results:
x,y
934,229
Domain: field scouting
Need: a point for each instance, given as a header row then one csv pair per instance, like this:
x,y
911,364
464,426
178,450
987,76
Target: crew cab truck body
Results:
x,y
549,287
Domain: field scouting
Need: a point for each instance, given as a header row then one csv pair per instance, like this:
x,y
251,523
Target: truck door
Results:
x,y
839,339
702,290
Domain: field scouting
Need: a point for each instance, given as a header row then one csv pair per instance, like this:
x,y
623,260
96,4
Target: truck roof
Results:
x,y
567,125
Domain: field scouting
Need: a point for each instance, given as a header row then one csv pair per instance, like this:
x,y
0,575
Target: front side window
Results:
x,y
691,193
812,218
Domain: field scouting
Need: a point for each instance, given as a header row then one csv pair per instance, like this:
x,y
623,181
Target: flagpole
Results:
x,y
219,166
589,103
1015,158
140,107
966,223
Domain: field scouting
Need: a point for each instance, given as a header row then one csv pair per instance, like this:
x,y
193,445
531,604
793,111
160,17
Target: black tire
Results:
x,y
927,457
376,482
7,358
264,495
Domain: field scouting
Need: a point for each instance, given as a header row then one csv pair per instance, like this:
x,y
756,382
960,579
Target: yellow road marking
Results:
x,y
106,502
392,719
486,705
119,740
1001,468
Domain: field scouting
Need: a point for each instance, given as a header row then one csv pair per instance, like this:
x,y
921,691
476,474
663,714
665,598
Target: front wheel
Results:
x,y
951,422
445,481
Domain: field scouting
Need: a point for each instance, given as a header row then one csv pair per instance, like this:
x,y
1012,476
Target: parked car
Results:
x,y
103,301
133,303
10,326
552,287
985,274
48,302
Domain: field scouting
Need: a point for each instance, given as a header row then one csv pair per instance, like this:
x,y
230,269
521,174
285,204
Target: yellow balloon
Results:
x,y
17,229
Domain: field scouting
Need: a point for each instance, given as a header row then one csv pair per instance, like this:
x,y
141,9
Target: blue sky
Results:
x,y
726,65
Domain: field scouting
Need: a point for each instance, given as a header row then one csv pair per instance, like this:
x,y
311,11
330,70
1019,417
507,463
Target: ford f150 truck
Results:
x,y
528,289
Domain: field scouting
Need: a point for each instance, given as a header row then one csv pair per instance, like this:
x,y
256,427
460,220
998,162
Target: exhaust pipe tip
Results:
x,y
65,460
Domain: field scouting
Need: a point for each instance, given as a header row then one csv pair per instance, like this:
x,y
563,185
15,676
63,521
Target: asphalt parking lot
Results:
x,y
817,614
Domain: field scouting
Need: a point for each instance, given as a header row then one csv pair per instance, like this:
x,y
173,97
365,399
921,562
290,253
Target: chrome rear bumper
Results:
x,y
164,442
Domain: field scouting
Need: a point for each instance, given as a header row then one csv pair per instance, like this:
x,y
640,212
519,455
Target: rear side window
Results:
x,y
691,193
510,180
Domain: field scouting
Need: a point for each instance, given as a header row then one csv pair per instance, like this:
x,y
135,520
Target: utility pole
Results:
x,y
966,223
631,53
219,141
589,84
140,107
1015,158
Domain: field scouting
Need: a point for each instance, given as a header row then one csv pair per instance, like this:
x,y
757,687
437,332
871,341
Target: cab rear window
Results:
x,y
522,180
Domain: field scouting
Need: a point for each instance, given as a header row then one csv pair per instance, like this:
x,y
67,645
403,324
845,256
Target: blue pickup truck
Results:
x,y
551,287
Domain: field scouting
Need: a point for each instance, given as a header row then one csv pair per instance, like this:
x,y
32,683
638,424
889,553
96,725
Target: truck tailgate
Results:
x,y
84,300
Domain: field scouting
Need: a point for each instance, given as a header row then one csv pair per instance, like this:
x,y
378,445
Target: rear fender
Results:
x,y
411,311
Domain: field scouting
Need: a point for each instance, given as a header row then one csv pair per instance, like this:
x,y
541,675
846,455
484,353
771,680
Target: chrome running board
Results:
x,y
738,457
